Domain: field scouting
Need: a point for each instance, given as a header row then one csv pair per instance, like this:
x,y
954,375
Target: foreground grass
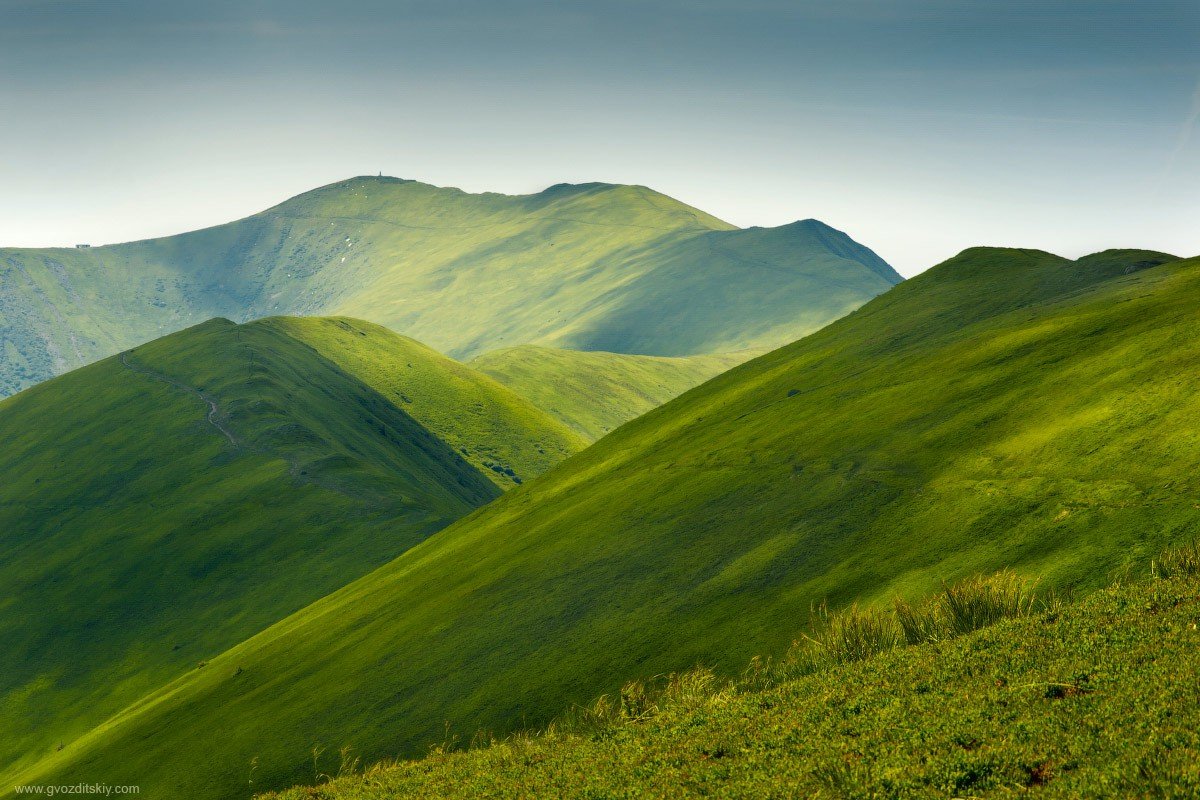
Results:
x,y
1095,698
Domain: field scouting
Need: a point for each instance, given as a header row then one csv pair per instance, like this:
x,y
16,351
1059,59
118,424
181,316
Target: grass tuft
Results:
x,y
918,625
855,634
1177,562
852,635
979,602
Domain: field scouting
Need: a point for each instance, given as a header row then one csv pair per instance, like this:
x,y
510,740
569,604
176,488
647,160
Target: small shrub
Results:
x,y
1053,601
805,657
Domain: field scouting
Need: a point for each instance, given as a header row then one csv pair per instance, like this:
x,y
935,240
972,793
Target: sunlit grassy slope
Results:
x,y
501,433
160,506
591,266
1005,408
594,392
1097,699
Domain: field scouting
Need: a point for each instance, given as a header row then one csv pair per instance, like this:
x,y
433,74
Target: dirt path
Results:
x,y
213,412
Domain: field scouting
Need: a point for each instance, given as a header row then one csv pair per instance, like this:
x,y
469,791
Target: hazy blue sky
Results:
x,y
918,127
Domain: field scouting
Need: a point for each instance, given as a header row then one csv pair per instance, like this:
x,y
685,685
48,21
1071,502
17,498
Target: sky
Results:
x,y
920,128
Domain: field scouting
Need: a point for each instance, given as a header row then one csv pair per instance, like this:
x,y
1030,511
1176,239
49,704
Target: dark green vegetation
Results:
x,y
592,266
1007,408
160,506
595,392
1095,699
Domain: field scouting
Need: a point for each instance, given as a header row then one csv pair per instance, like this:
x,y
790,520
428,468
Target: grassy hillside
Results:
x,y
162,505
1007,408
499,432
1095,699
595,392
728,290
592,266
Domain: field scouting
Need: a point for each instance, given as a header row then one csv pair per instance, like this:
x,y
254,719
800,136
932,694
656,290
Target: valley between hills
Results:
x,y
398,491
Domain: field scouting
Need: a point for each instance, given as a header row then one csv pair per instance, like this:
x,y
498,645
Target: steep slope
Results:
x,y
591,266
1043,705
595,392
162,505
723,291
1006,408
502,434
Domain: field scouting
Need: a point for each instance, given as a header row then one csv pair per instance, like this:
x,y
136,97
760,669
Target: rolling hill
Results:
x,y
1007,408
595,392
494,429
590,266
162,505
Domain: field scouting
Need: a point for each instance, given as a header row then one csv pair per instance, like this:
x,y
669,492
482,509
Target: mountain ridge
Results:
x,y
583,266
167,502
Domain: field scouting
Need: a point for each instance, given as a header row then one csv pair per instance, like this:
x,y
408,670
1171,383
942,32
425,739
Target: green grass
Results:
x,y
1179,561
595,392
494,429
1006,409
1097,698
142,532
593,266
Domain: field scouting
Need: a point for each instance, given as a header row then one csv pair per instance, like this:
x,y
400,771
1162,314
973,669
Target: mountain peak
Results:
x,y
810,224
574,188
814,232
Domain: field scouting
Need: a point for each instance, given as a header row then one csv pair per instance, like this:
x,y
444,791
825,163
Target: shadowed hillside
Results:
x,y
162,505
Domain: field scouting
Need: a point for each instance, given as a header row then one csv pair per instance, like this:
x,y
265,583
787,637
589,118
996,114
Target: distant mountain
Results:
x,y
591,266
595,392
162,505
1008,408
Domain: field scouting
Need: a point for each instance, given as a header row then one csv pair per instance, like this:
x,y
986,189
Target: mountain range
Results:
x,y
586,267
1005,409
176,497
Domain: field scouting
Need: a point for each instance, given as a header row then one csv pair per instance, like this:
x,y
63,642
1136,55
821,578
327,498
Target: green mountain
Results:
x,y
1007,408
493,428
592,266
160,506
1044,705
595,392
